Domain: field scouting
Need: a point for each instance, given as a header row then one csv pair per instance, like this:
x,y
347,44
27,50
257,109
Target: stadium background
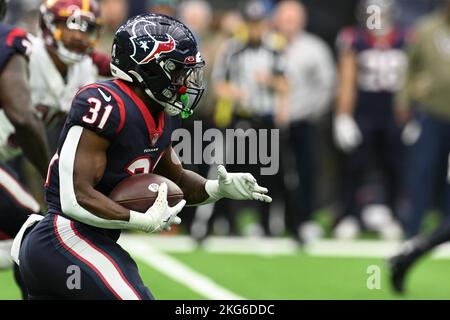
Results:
x,y
243,264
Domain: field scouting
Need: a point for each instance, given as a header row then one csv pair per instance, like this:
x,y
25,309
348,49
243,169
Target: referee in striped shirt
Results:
x,y
249,75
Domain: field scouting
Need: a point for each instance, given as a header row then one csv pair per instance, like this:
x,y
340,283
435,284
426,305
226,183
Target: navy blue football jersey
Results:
x,y
137,141
381,63
12,41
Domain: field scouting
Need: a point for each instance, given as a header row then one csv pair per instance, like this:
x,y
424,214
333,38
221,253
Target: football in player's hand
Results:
x,y
139,192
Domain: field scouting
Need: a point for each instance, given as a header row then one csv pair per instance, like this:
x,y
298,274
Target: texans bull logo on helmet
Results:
x,y
160,54
147,47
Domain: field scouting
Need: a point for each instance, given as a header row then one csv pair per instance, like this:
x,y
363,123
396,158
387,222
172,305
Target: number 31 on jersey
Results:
x,y
92,117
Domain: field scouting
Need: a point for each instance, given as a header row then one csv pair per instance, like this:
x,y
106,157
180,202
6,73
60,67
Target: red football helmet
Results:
x,y
75,15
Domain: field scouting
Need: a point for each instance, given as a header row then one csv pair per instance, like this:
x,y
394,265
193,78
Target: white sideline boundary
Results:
x,y
272,247
142,247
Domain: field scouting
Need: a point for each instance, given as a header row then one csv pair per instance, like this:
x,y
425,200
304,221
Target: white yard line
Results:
x,y
143,249
366,249
281,246
256,246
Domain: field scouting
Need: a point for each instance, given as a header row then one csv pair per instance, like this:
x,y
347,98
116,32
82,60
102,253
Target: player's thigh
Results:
x,y
65,261
101,259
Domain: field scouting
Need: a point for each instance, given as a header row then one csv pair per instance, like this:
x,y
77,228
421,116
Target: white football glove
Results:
x,y
159,216
236,186
411,133
347,135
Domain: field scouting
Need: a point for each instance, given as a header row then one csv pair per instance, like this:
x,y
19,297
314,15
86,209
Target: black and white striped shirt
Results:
x,y
242,64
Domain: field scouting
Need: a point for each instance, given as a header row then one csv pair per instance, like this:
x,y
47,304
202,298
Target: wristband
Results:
x,y
212,189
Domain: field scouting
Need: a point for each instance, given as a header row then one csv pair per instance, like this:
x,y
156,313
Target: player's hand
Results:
x,y
236,186
411,132
164,215
159,216
347,135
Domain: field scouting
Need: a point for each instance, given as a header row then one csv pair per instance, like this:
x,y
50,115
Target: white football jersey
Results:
x,y
51,94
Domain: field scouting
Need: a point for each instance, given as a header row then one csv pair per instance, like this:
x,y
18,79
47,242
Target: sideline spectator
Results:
x,y
425,98
310,70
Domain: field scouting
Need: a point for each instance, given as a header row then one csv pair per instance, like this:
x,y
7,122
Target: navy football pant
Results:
x,y
428,162
64,259
15,206
381,146
301,136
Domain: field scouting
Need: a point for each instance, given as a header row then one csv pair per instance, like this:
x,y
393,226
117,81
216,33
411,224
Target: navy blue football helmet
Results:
x,y
160,54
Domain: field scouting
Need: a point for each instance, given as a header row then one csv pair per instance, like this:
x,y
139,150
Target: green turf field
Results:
x,y
306,277
291,276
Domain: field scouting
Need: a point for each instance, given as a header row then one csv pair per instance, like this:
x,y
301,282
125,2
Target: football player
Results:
x,y
61,62
15,105
372,63
424,101
116,129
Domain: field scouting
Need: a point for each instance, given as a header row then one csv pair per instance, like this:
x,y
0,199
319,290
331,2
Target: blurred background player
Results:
x,y
425,101
371,67
310,71
251,87
15,104
61,63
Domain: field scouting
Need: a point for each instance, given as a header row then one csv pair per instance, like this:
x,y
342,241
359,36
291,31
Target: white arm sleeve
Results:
x,y
69,203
